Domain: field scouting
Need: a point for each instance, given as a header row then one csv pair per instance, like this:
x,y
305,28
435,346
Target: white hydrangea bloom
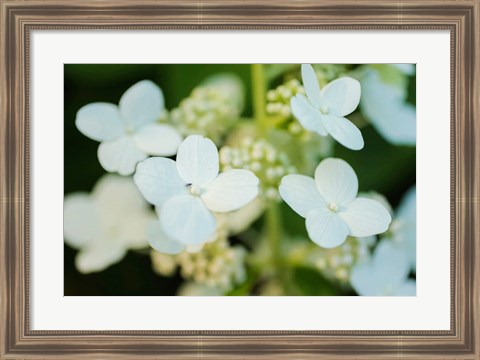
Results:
x,y
129,132
323,111
196,289
384,105
330,205
189,190
385,275
404,226
104,224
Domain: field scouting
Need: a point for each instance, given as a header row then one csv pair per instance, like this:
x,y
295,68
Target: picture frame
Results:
x,y
19,18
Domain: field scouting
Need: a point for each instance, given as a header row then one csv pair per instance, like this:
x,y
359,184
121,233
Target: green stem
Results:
x,y
259,90
273,222
274,234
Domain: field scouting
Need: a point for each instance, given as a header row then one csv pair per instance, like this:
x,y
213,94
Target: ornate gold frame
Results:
x,y
19,17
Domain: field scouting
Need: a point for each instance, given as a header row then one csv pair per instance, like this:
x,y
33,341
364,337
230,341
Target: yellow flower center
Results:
x,y
194,190
324,109
333,207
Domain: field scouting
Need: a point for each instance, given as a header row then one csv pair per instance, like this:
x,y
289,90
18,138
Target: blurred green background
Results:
x,y
380,166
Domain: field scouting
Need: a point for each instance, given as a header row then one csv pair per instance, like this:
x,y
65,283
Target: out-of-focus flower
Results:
x,y
330,205
230,223
336,264
103,225
217,265
323,111
384,104
278,99
404,226
212,108
129,132
163,264
195,289
385,275
188,191
407,69
235,222
263,159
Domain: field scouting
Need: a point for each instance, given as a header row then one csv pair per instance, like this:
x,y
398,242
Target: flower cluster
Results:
x,y
278,99
192,182
263,159
211,109
337,263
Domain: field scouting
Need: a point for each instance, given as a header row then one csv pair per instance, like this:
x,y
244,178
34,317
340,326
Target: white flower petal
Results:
x,y
310,82
407,210
336,181
121,155
341,96
231,190
141,104
385,107
307,115
160,242
132,231
364,280
197,160
119,195
158,139
300,193
326,228
194,248
80,220
186,219
100,121
391,263
366,217
344,131
385,274
158,180
405,231
99,257
408,288
407,69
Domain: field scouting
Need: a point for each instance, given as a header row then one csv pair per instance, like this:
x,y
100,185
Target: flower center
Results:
x,y
324,109
333,207
129,129
194,190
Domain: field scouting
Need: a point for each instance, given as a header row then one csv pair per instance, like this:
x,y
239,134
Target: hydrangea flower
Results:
x,y
129,132
384,105
103,225
404,226
323,111
189,190
231,223
385,275
330,205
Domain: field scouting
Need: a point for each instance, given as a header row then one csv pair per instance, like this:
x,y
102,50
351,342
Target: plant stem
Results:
x,y
259,89
274,233
273,226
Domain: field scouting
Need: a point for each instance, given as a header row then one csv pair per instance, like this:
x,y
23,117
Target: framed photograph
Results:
x,y
243,180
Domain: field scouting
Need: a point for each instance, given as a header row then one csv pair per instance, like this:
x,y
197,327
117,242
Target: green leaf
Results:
x,y
311,283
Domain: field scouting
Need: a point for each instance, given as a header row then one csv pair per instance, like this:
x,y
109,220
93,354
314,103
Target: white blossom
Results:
x,y
404,226
189,190
129,132
386,274
104,224
330,205
323,111
384,104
